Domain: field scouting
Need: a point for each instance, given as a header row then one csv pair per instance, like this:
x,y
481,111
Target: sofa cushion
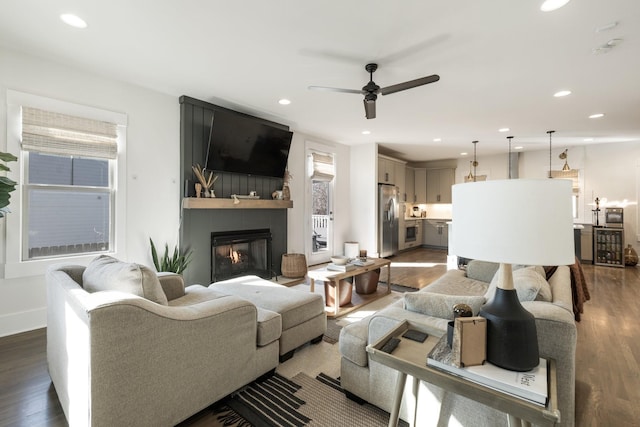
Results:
x,y
482,270
529,283
106,273
440,305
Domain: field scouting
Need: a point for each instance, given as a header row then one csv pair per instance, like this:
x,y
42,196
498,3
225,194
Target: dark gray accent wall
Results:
x,y
197,224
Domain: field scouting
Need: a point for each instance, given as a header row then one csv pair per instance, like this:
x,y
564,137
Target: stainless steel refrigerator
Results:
x,y
387,220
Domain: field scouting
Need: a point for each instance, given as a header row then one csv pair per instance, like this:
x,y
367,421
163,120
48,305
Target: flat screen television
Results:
x,y
243,144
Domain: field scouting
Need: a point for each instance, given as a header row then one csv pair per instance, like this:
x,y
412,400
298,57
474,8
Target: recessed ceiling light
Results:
x,y
550,5
596,116
519,147
284,101
73,20
463,154
562,93
366,132
588,139
437,139
504,130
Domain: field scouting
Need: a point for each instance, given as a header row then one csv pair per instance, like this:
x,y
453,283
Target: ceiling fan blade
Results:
x,y
370,109
336,89
410,84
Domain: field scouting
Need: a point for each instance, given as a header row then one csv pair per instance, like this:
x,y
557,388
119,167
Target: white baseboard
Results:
x,y
23,321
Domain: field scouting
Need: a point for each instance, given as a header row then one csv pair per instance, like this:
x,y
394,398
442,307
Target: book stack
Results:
x,y
530,386
342,268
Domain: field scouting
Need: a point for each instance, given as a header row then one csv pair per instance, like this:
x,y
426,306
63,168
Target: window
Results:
x,y
68,203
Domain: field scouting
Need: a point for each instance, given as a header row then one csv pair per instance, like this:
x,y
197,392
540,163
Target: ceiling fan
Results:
x,y
371,90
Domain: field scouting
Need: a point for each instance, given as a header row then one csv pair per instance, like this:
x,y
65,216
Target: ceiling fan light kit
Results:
x,y
371,90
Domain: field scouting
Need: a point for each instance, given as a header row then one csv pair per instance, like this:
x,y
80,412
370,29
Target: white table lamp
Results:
x,y
519,221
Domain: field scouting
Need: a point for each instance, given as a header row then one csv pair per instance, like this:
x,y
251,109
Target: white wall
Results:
x,y
152,175
364,197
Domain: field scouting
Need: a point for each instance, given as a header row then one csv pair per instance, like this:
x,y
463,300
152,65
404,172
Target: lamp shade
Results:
x,y
521,221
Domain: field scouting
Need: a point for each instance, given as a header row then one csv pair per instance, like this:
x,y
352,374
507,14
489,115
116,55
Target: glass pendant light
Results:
x,y
475,162
550,132
510,138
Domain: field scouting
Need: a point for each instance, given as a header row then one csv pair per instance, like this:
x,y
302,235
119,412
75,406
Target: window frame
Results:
x,y
14,265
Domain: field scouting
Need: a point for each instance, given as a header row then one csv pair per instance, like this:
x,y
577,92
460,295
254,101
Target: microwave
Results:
x,y
614,217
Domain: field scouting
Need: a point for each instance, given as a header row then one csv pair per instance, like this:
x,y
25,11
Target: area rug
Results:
x,y
300,401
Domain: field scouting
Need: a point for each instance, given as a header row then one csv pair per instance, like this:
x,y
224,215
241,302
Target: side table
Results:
x,y
410,358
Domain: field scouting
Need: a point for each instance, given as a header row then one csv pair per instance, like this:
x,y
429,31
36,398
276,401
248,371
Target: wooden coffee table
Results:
x,y
325,275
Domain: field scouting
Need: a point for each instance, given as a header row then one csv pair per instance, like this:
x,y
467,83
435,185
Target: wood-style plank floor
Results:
x,y
607,355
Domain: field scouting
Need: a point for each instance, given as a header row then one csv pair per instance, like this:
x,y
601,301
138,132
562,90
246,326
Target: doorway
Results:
x,y
320,192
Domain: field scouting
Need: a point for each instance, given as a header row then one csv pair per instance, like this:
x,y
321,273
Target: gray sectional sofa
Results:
x,y
127,346
549,301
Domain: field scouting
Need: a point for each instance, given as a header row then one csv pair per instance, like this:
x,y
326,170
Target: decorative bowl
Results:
x,y
339,259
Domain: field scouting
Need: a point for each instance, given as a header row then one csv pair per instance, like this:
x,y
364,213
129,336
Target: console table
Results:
x,y
325,275
410,358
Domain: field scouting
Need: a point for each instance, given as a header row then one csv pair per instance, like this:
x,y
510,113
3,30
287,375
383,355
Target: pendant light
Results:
x,y
550,132
475,162
563,156
510,138
470,176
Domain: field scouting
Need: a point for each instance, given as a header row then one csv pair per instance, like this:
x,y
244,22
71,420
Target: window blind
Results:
x,y
56,133
570,175
323,168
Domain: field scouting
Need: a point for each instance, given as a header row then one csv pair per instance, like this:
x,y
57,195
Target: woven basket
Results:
x,y
294,265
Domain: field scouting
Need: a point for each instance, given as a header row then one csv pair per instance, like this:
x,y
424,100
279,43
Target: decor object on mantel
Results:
x,y
533,226
630,256
6,185
286,192
206,181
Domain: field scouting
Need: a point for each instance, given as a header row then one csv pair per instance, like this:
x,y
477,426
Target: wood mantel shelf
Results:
x,y
220,203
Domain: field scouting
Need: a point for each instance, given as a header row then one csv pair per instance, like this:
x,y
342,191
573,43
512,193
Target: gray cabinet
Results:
x,y
421,185
439,182
435,234
400,177
386,171
410,184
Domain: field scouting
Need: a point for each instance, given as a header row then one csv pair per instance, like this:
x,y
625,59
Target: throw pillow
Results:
x,y
481,270
440,305
528,283
109,274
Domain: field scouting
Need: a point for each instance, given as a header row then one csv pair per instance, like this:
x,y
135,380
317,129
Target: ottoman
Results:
x,y
302,313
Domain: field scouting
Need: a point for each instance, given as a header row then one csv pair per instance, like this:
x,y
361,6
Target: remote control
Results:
x,y
390,345
414,335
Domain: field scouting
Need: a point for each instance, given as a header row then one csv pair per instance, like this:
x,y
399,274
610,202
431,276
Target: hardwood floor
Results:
x,y
607,355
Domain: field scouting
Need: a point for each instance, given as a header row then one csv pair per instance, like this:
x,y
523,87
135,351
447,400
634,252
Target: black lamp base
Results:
x,y
512,339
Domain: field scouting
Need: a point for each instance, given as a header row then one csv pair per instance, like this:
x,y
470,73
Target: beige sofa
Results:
x,y
370,381
152,359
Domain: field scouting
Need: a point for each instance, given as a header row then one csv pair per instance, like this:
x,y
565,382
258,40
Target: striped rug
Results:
x,y
300,401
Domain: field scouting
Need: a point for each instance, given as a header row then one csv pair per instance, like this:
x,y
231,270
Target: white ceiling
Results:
x,y
499,61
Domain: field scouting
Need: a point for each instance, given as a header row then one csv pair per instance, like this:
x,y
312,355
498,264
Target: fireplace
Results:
x,y
239,253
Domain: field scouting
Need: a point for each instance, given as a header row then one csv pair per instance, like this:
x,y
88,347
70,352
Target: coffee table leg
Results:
x,y
336,299
389,278
397,399
312,285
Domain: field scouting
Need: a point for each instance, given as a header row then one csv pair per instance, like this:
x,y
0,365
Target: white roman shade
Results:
x,y
322,168
56,133
571,175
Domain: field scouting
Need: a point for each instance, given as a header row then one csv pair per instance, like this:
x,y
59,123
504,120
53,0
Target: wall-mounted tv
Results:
x,y
242,144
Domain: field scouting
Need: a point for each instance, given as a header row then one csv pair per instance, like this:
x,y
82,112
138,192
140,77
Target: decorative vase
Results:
x,y
630,256
286,193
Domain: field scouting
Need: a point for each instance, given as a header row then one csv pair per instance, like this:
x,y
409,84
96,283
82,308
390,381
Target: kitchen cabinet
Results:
x,y
410,184
421,185
435,233
386,170
399,175
439,182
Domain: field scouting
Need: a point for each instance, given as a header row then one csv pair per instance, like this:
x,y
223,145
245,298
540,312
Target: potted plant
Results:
x,y
176,262
6,185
